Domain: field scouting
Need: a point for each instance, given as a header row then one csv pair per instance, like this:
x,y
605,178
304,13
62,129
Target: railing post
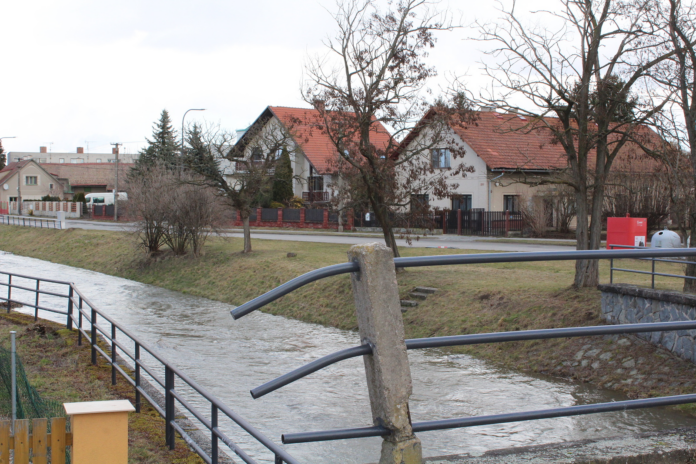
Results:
x,y
93,336
459,221
278,460
137,377
388,373
71,292
653,272
36,302
169,407
113,354
9,292
213,436
79,324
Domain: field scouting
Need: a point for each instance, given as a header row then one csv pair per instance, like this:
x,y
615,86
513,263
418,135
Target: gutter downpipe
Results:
x,y
490,189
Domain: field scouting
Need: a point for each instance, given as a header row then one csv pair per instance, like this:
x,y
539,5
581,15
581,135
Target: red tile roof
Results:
x,y
509,142
308,131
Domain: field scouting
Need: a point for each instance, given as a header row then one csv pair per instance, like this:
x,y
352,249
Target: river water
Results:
x,y
231,357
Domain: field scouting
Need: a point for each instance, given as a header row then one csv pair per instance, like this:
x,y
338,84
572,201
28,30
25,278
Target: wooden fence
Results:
x,y
38,442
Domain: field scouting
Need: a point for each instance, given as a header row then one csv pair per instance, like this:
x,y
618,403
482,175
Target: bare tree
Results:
x,y
374,76
678,76
240,174
148,205
575,82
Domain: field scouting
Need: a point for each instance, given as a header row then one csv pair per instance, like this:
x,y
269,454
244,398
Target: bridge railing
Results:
x,y
652,272
25,221
114,343
363,277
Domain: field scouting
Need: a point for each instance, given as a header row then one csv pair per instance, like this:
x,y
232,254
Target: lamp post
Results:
x,y
181,158
19,205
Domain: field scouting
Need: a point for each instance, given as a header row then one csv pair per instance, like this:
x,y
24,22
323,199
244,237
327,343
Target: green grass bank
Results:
x,y
470,299
61,370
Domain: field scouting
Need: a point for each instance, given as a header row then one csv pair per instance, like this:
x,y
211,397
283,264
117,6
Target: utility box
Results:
x,y
626,231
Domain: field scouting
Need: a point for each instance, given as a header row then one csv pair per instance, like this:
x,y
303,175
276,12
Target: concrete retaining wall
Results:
x,y
628,304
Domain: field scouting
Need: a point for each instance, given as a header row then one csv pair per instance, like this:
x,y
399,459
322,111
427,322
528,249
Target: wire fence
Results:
x,y
30,404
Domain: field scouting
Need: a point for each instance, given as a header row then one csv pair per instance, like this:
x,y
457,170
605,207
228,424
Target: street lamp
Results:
x,y
181,158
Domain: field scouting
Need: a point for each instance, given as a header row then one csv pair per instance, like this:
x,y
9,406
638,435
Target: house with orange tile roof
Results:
x,y
508,155
312,153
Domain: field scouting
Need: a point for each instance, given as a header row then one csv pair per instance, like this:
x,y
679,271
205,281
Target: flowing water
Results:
x,y
231,357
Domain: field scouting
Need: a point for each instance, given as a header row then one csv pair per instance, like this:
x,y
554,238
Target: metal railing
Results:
x,y
29,222
652,273
93,324
474,339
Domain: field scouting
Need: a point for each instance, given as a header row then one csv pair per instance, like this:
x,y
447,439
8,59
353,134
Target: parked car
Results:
x,y
106,198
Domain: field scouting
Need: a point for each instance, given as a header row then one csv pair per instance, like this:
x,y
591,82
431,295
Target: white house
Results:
x,y
300,131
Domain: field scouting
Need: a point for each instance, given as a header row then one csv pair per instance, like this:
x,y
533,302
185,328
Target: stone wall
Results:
x,y
628,304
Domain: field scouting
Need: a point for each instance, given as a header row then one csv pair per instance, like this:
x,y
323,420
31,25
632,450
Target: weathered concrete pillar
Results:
x,y
388,373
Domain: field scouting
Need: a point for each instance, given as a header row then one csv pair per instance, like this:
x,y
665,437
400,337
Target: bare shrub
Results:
x,y
534,215
172,210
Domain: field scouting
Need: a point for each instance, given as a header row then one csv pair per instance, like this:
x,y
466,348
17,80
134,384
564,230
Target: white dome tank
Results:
x,y
665,239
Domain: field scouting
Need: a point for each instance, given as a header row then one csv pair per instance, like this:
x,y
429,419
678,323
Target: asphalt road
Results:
x,y
453,241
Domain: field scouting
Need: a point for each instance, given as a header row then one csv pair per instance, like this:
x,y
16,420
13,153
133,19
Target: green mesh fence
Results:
x,y
30,405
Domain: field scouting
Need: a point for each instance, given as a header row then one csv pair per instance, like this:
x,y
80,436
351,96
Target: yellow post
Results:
x,y
100,431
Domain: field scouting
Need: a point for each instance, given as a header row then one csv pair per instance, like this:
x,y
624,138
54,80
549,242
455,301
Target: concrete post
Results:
x,y
387,370
61,218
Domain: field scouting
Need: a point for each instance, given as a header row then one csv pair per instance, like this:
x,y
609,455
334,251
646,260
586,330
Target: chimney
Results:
x,y
80,150
43,149
488,109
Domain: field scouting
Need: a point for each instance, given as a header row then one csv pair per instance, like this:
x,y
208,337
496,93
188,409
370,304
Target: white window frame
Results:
x,y
441,158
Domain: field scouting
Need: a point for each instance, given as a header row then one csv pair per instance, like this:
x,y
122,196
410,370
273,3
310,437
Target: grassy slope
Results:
x,y
471,299
60,370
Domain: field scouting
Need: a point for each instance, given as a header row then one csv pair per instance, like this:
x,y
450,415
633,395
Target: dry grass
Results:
x,y
60,370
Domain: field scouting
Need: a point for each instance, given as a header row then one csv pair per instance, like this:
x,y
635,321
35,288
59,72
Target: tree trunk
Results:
x,y
382,214
247,234
581,237
690,284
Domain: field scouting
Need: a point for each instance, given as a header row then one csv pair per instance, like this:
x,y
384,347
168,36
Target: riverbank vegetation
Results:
x,y
470,299
61,371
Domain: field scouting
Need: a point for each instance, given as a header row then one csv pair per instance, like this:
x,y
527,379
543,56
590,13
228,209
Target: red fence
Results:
x,y
301,218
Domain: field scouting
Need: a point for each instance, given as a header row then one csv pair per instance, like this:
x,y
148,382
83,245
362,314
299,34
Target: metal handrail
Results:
x,y
458,340
448,260
81,309
652,259
471,339
15,220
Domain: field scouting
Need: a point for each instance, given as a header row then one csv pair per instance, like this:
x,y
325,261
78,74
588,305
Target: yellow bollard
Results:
x,y
100,431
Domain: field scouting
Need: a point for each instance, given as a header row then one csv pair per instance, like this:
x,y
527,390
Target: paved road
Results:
x,y
453,241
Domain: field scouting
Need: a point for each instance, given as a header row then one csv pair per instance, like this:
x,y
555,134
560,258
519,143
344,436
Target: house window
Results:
x,y
61,160
441,158
98,160
316,183
50,186
77,160
420,202
462,202
256,155
278,153
31,180
511,203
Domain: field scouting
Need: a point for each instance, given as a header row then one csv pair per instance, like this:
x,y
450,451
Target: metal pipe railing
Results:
x,y
80,310
449,260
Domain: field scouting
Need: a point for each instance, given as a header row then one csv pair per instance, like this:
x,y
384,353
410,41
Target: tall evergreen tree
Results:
x,y
196,150
3,157
163,148
282,178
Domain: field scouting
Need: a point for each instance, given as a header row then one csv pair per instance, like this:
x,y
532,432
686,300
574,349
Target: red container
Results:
x,y
627,231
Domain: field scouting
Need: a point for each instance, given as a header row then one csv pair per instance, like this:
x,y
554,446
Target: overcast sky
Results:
x,y
87,73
